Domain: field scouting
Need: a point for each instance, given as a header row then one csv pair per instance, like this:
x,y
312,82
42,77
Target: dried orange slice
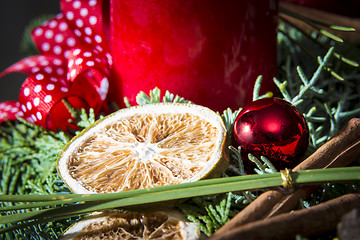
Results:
x,y
143,147
156,225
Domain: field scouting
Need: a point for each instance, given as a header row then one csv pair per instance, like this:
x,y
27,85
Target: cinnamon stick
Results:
x,y
289,202
328,153
306,222
339,151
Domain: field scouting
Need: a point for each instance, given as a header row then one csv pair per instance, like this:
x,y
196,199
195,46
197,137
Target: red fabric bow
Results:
x,y
74,66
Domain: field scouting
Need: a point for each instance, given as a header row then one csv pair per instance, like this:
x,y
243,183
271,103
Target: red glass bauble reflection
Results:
x,y
272,128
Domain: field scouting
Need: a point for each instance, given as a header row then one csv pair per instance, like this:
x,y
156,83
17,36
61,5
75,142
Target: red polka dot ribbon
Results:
x,y
73,67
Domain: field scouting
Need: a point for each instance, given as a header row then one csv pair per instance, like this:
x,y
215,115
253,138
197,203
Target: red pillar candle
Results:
x,y
207,51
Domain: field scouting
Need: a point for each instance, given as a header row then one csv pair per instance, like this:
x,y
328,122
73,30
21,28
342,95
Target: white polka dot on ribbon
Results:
x,y
74,62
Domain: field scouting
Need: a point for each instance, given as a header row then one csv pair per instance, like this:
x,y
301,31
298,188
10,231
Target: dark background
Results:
x,y
15,15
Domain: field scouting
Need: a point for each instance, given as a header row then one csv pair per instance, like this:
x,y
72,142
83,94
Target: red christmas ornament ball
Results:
x,y
272,128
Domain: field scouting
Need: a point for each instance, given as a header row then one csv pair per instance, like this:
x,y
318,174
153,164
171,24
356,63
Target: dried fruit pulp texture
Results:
x,y
209,51
133,226
144,151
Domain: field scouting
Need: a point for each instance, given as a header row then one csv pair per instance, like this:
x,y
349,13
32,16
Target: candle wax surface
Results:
x,y
209,52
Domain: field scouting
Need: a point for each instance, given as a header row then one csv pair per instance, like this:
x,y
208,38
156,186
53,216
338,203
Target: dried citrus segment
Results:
x,y
145,146
157,225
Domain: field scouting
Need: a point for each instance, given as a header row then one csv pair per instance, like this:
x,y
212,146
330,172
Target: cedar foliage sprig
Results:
x,y
30,152
28,155
155,97
28,158
209,213
326,102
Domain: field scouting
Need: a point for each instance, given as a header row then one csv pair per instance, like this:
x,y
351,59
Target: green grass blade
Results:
x,y
71,198
233,184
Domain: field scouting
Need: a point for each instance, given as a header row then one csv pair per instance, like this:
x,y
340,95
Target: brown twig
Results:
x,y
341,150
324,217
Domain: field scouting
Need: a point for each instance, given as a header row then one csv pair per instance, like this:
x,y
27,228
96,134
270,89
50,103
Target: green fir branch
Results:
x,y
155,97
